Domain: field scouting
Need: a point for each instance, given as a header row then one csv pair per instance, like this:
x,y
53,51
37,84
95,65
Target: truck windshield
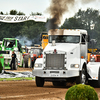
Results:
x,y
36,51
64,38
9,43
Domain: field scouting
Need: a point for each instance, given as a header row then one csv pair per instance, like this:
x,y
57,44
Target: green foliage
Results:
x,y
29,29
35,13
16,79
20,13
1,13
72,23
82,20
81,92
13,12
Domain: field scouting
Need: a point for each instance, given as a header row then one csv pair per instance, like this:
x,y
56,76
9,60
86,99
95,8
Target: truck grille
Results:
x,y
55,61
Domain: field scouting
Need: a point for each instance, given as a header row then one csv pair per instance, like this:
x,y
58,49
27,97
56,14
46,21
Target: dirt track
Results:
x,y
27,90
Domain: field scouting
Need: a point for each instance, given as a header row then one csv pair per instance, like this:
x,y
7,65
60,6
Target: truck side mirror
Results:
x,y
40,39
88,38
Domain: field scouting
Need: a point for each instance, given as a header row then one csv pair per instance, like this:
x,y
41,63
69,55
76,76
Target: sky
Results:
x,y
28,6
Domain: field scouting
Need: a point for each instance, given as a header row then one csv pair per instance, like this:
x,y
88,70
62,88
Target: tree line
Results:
x,y
83,19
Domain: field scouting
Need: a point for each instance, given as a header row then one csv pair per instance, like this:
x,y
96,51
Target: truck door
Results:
x,y
19,53
83,46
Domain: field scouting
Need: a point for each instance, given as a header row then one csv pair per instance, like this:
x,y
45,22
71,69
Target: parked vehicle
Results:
x,y
12,44
35,52
44,39
93,68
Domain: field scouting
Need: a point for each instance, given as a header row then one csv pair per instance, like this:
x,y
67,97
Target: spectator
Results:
x,y
12,65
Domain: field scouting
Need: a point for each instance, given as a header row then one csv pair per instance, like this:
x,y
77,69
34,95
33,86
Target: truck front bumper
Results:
x,y
56,73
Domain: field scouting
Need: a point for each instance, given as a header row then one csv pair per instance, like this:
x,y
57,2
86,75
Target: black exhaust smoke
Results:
x,y
58,8
56,11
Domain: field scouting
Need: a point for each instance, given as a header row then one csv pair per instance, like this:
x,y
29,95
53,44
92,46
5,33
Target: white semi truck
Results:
x,y
64,58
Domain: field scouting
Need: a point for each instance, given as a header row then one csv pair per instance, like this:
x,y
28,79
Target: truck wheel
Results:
x,y
59,83
23,64
27,61
33,62
39,81
1,67
98,81
82,79
16,64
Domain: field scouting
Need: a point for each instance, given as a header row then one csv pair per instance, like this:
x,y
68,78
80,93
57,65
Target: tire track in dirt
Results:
x,y
28,95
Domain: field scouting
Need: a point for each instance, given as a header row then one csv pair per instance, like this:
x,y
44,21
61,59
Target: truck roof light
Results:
x,y
82,57
55,51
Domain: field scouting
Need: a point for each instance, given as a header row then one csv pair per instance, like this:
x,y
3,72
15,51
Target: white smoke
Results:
x,y
24,40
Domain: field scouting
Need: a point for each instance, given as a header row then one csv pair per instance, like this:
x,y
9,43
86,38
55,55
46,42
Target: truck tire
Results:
x,y
1,67
39,81
98,81
33,62
23,65
16,64
82,79
27,61
59,83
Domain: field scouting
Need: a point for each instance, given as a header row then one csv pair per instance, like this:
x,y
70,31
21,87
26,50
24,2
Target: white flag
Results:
x,y
21,18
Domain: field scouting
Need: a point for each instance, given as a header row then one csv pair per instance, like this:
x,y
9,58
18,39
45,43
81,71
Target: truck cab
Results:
x,y
64,58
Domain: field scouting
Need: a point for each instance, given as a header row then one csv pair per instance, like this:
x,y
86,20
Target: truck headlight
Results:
x,y
38,65
74,65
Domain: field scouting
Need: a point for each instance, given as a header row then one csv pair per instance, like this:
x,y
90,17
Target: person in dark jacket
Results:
x,y
13,60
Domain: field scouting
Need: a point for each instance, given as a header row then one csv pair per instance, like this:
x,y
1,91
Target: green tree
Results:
x,y
13,12
72,23
1,13
20,13
87,17
83,20
30,29
37,13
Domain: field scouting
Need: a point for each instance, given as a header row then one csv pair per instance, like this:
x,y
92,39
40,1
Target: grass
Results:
x,y
16,79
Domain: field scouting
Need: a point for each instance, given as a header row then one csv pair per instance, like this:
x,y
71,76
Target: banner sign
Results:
x,y
21,18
